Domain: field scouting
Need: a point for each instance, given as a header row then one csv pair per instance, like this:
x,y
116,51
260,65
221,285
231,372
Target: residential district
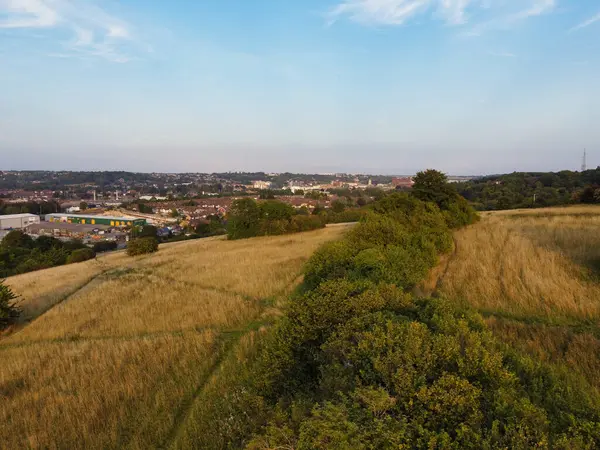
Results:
x,y
107,206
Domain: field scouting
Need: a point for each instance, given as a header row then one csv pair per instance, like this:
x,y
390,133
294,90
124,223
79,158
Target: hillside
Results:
x,y
532,190
118,349
422,327
535,276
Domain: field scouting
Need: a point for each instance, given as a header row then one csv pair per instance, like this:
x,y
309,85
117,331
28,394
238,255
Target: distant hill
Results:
x,y
532,189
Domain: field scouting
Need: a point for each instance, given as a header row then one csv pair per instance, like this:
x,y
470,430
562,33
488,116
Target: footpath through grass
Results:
x,y
533,275
119,350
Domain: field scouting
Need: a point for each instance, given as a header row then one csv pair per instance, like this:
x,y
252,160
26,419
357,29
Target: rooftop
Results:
x,y
83,216
16,216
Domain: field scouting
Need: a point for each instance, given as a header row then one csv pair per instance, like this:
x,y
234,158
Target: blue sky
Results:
x,y
372,86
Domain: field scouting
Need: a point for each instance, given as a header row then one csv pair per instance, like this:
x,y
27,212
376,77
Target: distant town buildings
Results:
x,y
18,221
261,184
402,182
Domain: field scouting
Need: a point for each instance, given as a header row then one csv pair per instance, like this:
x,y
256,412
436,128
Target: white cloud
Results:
x,y
586,23
28,14
95,32
503,54
453,12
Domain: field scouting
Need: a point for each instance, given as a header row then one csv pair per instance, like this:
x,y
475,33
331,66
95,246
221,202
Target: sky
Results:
x,y
369,86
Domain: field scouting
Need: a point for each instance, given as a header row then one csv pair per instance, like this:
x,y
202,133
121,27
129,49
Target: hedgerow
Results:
x,y
359,362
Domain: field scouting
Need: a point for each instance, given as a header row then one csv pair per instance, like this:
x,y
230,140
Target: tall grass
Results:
x,y
517,266
534,274
120,362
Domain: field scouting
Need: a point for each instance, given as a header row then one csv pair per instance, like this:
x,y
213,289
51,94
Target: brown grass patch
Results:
x,y
120,361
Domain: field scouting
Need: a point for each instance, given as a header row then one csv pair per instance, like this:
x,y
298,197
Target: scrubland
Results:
x,y
117,352
534,276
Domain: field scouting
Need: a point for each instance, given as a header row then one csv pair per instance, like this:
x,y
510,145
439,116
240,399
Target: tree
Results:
x,y
266,195
147,231
9,311
276,210
142,246
45,243
83,206
243,219
432,186
80,255
337,206
17,239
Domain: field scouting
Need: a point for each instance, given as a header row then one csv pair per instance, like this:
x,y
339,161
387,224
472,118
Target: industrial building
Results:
x,y
95,220
18,221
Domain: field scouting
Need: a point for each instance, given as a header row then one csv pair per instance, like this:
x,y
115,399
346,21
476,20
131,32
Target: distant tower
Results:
x,y
584,162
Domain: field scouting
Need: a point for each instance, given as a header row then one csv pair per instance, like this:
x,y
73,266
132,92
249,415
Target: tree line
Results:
x,y
532,190
19,253
360,361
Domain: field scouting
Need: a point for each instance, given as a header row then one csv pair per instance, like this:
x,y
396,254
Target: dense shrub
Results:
x,y
346,216
358,362
142,246
105,246
247,218
9,312
80,255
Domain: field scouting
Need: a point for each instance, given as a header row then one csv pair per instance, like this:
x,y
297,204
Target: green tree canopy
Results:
x,y
9,312
243,219
432,186
16,238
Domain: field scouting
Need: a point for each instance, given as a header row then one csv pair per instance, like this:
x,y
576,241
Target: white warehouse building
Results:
x,y
18,221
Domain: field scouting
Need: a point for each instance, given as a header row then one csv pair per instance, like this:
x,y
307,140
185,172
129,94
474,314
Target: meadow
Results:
x,y
115,352
534,275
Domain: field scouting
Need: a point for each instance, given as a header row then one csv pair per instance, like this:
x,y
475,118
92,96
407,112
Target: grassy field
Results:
x,y
118,352
534,276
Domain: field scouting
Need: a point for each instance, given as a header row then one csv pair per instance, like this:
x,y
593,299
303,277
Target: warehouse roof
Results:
x,y
16,216
83,216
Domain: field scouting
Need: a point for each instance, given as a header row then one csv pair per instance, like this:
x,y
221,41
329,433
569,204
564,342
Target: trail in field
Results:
x,y
229,339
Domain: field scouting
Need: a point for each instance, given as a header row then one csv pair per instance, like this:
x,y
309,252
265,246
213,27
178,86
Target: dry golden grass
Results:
x,y
41,290
559,345
117,363
524,266
107,394
533,273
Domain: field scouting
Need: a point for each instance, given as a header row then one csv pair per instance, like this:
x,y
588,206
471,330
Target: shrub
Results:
x,y
9,312
142,246
373,367
305,223
16,239
331,261
80,255
105,246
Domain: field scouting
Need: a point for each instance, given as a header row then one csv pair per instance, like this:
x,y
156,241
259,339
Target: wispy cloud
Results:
x,y
586,23
452,12
503,54
94,32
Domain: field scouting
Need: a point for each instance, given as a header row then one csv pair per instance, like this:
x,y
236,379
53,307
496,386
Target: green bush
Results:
x,y
9,312
358,362
142,246
374,367
247,218
80,255
305,223
333,260
105,246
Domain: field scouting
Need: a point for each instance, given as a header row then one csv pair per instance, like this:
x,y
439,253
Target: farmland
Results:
x,y
114,352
